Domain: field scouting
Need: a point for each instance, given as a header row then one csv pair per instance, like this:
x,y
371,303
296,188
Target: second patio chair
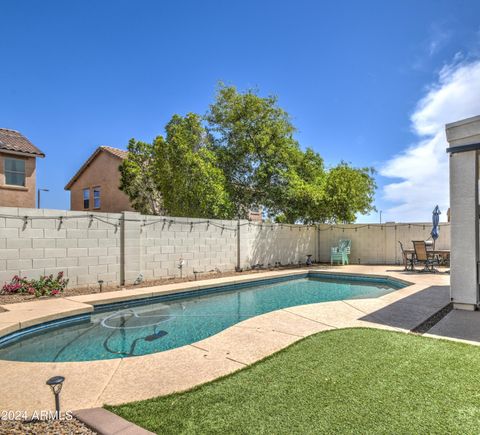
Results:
x,y
408,259
424,257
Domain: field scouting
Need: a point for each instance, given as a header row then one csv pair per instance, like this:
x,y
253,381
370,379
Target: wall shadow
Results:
x,y
284,245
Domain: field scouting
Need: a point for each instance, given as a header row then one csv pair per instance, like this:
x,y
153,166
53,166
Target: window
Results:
x,y
96,197
14,172
86,198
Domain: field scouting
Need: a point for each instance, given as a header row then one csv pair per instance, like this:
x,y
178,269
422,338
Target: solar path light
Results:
x,y
56,384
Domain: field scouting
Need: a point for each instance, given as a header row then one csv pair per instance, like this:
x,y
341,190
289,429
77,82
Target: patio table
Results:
x,y
444,254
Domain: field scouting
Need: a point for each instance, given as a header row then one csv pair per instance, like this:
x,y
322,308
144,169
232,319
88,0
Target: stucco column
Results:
x,y
130,257
464,140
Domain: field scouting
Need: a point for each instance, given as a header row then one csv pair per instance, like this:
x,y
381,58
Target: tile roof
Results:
x,y
116,152
12,140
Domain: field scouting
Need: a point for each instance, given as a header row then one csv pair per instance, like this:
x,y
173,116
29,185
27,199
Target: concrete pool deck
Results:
x,y
458,325
94,383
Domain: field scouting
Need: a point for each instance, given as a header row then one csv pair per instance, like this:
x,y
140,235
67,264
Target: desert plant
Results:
x,y
16,285
46,285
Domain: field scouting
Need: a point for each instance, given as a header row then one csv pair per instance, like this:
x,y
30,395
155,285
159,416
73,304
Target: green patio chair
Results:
x,y
341,252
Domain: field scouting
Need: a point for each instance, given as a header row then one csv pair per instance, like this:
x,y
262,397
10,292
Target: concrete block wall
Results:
x,y
85,250
130,247
118,247
203,246
268,244
376,243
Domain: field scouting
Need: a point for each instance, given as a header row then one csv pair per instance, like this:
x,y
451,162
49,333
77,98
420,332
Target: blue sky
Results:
x,y
364,81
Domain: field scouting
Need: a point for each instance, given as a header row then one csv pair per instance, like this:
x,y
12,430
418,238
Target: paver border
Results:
x,y
105,422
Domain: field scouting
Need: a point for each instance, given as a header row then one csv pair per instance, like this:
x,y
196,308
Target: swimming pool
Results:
x,y
156,324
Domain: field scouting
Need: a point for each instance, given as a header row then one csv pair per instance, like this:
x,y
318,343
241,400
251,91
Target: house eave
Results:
x,y
21,153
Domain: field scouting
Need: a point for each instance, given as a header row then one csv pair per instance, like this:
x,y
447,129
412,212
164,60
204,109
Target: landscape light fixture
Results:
x,y
100,283
56,384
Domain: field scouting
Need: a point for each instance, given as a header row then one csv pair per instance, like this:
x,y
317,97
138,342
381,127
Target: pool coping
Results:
x,y
126,379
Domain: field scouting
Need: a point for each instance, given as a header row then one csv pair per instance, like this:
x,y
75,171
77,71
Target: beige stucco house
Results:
x,y
17,169
95,186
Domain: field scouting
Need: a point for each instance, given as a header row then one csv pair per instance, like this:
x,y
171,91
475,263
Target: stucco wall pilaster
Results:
x,y
464,212
130,261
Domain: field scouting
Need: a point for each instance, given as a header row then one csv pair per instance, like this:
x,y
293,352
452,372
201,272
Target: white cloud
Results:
x,y
423,167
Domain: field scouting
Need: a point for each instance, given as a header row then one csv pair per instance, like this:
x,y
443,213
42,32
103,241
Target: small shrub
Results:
x,y
47,285
16,285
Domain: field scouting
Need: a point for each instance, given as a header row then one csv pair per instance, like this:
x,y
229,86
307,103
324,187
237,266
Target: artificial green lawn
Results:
x,y
344,381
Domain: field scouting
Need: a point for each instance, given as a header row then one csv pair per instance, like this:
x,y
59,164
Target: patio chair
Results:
x,y
423,256
408,259
341,252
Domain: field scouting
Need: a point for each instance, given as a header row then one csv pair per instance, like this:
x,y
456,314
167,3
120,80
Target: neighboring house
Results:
x,y
17,169
256,214
96,184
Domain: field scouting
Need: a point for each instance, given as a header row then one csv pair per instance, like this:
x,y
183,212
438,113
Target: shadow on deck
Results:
x,y
412,311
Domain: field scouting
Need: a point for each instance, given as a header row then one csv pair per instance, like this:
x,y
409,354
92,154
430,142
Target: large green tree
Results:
x,y
242,154
253,139
179,170
265,166
188,175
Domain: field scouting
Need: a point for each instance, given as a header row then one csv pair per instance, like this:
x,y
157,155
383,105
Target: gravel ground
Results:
x,y
14,298
49,427
433,320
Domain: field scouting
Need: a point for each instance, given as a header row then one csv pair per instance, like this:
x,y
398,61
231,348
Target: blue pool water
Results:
x,y
146,326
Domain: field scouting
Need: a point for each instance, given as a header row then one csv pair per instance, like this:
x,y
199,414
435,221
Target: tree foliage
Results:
x,y
180,170
138,178
253,138
348,191
242,154
188,175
